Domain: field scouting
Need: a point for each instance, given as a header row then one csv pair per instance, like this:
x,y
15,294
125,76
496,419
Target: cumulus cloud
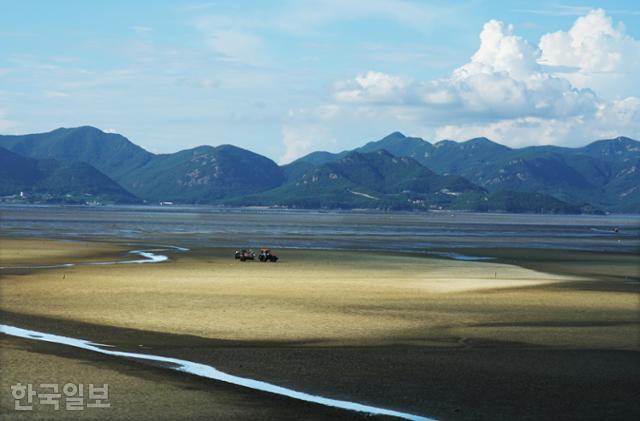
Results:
x,y
595,53
517,92
503,79
501,52
606,122
374,87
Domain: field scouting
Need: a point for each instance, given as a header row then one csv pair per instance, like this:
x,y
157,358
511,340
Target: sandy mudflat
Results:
x,y
442,338
19,252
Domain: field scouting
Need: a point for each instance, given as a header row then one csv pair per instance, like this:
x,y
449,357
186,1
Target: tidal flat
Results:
x,y
438,337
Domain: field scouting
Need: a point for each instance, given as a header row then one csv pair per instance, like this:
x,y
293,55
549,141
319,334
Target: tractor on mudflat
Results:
x,y
245,255
266,256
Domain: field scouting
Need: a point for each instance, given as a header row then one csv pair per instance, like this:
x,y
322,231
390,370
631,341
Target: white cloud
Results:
x,y
502,79
374,87
299,140
516,92
308,129
501,52
618,117
572,131
596,54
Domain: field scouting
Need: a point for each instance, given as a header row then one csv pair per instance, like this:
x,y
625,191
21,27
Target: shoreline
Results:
x,y
275,208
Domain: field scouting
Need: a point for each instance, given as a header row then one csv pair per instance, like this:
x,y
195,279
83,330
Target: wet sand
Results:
x,y
437,337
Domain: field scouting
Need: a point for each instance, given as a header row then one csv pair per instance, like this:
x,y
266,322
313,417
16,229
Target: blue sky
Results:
x,y
284,78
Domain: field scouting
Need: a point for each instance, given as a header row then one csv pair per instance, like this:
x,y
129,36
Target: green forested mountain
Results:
x,y
477,174
111,153
58,181
367,180
605,173
200,175
204,175
381,180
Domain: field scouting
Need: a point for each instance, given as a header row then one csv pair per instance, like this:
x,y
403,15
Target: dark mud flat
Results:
x,y
141,391
467,380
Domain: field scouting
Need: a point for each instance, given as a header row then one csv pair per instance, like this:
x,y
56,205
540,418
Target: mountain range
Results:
x,y
396,172
605,173
49,180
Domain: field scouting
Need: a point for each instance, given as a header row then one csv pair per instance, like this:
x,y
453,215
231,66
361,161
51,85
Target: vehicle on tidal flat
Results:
x,y
266,256
245,255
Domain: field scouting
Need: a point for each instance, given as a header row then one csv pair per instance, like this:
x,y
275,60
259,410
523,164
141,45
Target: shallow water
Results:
x,y
253,228
149,256
207,371
458,256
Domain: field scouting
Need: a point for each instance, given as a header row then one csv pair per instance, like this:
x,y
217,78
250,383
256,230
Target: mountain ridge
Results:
x,y
179,176
380,180
604,172
56,181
